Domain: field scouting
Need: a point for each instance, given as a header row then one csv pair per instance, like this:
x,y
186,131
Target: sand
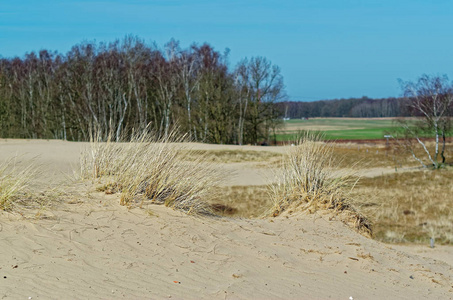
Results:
x,y
90,247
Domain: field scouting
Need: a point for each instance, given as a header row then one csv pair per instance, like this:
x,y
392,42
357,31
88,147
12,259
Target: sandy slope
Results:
x,y
97,249
105,251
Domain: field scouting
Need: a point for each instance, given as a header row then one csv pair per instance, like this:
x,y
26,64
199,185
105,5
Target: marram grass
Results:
x,y
14,179
148,168
308,181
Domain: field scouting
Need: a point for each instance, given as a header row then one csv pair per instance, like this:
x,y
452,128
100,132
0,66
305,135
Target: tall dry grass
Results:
x,y
152,169
307,181
15,177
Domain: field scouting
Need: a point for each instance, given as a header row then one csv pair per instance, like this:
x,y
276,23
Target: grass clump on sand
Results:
x,y
307,182
152,169
14,179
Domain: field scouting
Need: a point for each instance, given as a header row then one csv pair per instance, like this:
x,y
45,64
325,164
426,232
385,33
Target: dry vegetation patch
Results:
x,y
366,156
232,156
242,201
410,206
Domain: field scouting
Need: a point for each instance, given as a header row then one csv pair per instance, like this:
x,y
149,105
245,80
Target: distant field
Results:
x,y
339,128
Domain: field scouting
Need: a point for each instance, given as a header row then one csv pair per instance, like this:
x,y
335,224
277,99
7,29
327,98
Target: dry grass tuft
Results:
x,y
39,205
307,182
15,177
152,169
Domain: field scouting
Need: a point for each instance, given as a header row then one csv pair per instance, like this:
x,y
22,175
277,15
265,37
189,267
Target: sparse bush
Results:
x,y
153,169
308,182
14,178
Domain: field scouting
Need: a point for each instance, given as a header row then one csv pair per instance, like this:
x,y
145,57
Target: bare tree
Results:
x,y
430,100
167,82
188,65
266,85
137,57
243,90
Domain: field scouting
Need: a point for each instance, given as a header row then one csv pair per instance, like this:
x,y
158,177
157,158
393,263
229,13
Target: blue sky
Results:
x,y
326,49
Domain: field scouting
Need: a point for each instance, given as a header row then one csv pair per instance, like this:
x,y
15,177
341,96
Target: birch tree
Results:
x,y
188,66
167,83
430,101
243,90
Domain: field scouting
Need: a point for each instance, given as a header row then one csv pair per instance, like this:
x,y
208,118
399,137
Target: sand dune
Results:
x,y
96,249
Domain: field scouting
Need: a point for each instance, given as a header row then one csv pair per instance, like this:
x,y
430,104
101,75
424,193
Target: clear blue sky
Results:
x,y
325,48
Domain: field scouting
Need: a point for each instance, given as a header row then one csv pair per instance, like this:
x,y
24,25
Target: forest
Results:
x,y
127,85
363,107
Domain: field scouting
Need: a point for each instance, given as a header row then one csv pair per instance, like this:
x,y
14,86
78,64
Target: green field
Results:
x,y
338,128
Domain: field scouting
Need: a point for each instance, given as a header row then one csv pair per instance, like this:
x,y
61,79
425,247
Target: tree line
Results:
x,y
127,85
353,108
